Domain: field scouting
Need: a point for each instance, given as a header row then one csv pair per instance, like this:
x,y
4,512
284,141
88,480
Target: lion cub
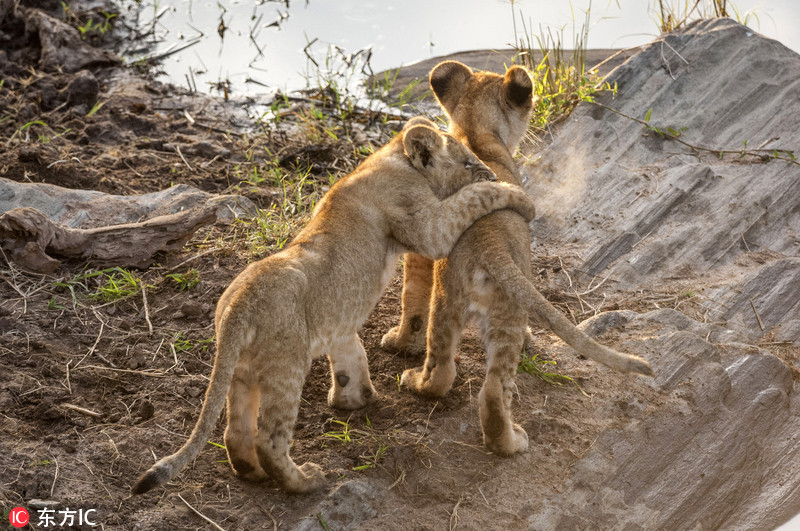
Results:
x,y
414,194
487,273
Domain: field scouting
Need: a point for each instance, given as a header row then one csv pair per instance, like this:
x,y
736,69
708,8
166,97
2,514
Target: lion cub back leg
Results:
x,y
447,318
351,386
281,385
503,330
242,425
409,335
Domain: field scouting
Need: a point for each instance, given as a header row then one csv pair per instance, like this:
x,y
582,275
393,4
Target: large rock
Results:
x,y
645,210
722,453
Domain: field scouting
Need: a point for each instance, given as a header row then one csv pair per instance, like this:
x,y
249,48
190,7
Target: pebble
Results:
x,y
191,308
43,504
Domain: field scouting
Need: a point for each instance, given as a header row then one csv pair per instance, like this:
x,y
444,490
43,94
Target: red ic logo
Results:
x,y
18,517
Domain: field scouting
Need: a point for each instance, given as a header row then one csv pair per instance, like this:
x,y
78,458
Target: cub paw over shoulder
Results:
x,y
416,194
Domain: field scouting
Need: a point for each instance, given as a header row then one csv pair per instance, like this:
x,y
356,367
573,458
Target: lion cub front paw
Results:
x,y
395,341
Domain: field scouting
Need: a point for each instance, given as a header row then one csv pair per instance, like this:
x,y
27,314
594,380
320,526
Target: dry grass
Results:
x,y
672,15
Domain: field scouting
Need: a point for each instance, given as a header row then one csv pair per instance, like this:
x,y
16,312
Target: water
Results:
x,y
257,46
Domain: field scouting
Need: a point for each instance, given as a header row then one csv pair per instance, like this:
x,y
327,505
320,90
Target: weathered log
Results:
x,y
32,241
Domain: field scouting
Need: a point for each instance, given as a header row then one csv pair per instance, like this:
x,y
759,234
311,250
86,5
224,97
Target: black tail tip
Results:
x,y
646,370
146,481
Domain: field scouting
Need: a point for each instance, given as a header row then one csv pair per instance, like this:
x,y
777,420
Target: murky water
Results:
x,y
262,45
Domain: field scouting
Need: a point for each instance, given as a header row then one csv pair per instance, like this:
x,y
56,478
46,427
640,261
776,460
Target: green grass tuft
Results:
x,y
561,79
535,367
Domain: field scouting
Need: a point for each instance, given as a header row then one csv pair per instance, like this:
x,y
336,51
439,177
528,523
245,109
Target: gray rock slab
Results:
x,y
645,210
723,454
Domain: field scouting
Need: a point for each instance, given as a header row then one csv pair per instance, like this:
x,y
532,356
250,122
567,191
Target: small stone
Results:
x,y
137,361
194,392
191,308
43,504
83,89
146,411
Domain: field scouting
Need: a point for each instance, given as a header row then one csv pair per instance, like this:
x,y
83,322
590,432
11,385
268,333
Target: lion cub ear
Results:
x,y
421,144
448,80
418,120
517,87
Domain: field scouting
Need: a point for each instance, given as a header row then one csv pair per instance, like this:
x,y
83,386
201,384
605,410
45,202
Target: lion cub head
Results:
x,y
444,161
484,103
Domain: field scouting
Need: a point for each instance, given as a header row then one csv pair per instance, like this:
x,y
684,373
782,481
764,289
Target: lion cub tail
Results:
x,y
221,376
521,288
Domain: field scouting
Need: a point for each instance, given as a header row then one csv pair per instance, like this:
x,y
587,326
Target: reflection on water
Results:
x,y
255,46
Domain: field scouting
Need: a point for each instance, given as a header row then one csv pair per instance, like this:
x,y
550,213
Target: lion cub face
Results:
x,y
444,161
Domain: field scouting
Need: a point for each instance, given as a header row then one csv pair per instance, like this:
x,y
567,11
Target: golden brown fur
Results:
x,y
487,273
418,193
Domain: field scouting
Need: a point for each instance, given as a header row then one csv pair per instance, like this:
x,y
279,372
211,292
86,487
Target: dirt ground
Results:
x,y
90,395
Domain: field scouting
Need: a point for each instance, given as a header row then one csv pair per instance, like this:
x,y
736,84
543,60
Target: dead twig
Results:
x,y
147,311
454,514
594,288
132,169
758,317
131,371
82,410
427,421
400,479
96,341
55,477
268,513
68,386
193,258
745,243
201,515
178,150
764,155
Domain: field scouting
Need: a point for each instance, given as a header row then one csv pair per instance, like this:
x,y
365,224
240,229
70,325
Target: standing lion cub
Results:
x,y
487,274
414,194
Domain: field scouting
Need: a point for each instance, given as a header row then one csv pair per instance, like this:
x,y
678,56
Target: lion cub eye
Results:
x,y
468,164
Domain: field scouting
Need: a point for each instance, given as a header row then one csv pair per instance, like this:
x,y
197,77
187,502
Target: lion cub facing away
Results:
x,y
414,194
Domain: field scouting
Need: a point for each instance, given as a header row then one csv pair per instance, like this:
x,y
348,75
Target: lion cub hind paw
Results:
x,y
514,442
310,477
424,383
412,379
395,342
